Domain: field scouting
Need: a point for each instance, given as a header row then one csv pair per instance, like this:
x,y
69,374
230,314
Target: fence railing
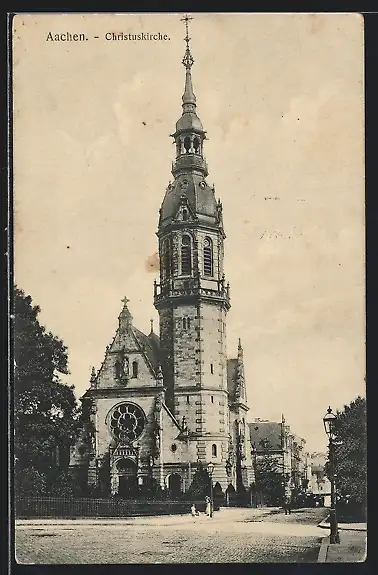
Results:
x,y
42,507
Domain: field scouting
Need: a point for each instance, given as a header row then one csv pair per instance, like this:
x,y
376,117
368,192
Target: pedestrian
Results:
x,y
193,510
208,506
287,505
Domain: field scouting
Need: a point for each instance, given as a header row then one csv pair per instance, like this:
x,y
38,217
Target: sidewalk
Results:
x,y
352,547
225,514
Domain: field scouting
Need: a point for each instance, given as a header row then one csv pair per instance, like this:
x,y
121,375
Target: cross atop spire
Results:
x,y
188,58
125,317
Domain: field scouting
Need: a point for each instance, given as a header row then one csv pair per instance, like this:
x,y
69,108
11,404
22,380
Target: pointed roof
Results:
x,y
236,378
189,119
125,318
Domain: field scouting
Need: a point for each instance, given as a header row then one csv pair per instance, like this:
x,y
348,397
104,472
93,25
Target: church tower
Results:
x,y
192,297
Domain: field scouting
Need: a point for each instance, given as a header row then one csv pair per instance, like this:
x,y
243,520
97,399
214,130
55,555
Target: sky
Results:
x,y
281,99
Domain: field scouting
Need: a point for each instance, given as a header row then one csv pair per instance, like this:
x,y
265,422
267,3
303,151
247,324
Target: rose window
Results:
x,y
127,422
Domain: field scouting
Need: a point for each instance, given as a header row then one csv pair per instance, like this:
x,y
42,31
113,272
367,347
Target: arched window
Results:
x,y
214,450
196,145
184,215
118,369
184,323
208,257
186,256
166,258
187,144
135,369
188,322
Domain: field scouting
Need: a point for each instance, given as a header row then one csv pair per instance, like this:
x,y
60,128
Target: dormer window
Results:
x,y
135,369
208,257
185,215
186,256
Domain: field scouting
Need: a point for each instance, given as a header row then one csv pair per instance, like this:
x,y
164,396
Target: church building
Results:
x,y
162,405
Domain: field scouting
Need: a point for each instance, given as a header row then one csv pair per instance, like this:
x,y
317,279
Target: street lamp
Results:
x,y
210,469
329,421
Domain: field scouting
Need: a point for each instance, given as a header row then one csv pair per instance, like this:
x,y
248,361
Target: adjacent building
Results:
x,y
274,442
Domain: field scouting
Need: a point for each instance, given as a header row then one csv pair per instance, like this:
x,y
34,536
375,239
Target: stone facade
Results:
x,y
162,406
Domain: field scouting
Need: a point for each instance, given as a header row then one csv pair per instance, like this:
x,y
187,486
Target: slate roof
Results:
x,y
200,196
266,433
150,345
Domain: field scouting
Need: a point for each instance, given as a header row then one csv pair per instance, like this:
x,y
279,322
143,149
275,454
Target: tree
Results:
x,y
200,486
269,480
46,415
351,452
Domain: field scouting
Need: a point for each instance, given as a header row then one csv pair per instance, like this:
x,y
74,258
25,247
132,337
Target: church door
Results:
x,y
127,475
174,485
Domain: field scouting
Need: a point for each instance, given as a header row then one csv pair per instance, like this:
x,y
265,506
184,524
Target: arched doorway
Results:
x,y
174,485
127,478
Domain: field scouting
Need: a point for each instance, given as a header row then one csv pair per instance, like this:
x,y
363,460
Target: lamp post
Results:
x,y
329,421
210,469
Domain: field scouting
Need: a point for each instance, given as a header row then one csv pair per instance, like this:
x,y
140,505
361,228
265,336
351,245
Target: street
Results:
x,y
231,536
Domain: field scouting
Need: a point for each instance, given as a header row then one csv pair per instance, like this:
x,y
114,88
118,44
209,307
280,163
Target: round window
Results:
x,y
127,422
173,447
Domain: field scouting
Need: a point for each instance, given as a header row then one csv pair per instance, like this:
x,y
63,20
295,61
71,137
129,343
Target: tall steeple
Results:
x,y
189,134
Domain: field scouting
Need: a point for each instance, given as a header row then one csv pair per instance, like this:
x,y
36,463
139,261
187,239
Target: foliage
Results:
x,y
268,479
200,486
46,416
351,452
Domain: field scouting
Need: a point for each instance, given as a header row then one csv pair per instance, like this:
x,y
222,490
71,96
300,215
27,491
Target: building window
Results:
x,y
184,323
118,369
214,450
186,255
188,322
187,399
212,399
211,368
208,257
184,215
135,369
166,259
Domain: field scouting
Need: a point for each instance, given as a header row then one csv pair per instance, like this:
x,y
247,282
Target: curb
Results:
x,y
341,527
322,557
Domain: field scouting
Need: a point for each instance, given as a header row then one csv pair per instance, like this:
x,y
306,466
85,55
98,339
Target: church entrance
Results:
x,y
174,485
127,479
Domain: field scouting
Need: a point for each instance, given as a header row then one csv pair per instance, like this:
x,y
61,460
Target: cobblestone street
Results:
x,y
232,535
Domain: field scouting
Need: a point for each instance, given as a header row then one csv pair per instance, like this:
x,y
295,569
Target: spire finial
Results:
x,y
152,325
188,98
125,317
188,58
